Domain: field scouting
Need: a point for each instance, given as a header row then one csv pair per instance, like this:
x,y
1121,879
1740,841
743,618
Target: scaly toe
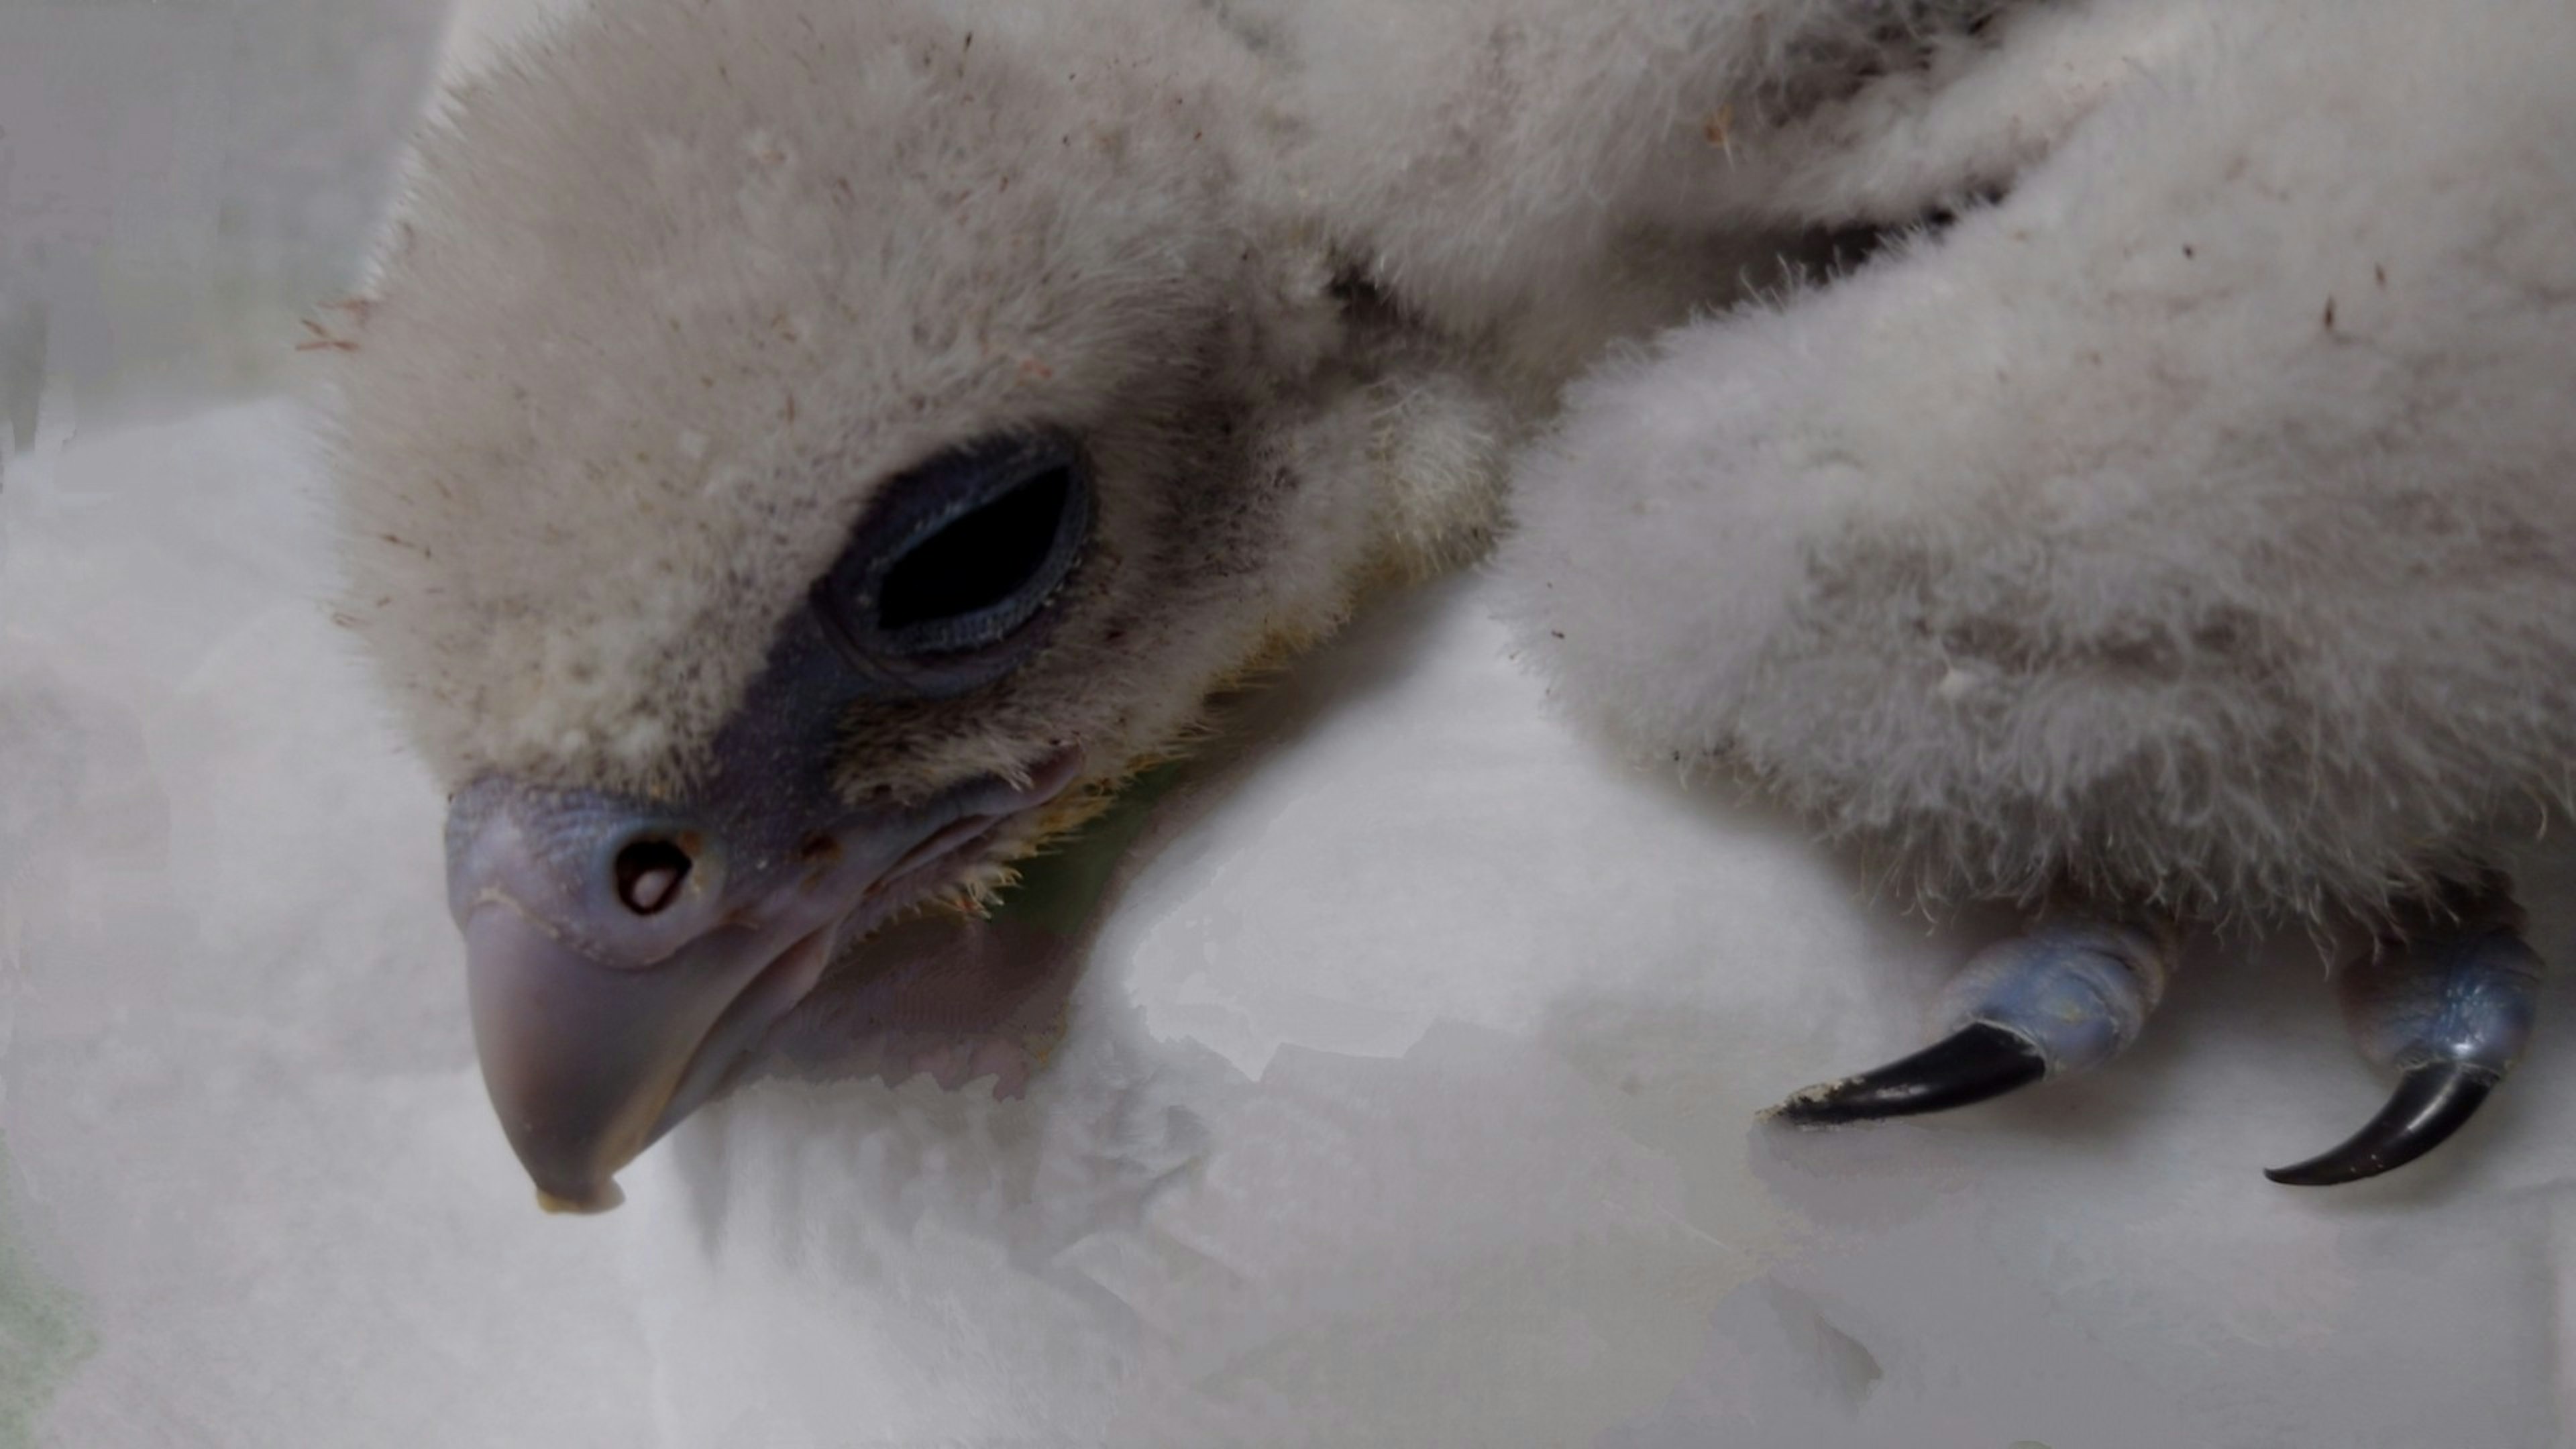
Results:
x,y
2067,997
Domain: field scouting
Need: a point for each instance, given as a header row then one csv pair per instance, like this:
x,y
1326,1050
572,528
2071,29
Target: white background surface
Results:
x,y
1409,1097
179,179
1408,1101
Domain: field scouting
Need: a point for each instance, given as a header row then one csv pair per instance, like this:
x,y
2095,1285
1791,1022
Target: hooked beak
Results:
x,y
601,1023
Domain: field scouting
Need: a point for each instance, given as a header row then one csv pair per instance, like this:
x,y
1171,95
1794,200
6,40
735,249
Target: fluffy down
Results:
x,y
2196,526
677,286
2185,521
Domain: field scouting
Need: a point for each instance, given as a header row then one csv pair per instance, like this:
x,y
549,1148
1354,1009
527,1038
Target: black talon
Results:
x,y
2430,1103
2447,1003
1978,1062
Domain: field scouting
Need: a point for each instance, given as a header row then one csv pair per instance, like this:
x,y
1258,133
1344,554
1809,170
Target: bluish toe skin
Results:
x,y
2446,1003
2449,1009
2067,997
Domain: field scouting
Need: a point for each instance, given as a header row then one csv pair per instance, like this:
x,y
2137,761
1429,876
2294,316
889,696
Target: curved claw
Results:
x,y
2068,996
2430,1103
2449,1009
1977,1062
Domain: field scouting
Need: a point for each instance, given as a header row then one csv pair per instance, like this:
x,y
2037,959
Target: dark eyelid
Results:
x,y
911,515
918,659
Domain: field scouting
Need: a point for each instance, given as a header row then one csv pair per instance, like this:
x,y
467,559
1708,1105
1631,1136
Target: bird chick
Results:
x,y
798,459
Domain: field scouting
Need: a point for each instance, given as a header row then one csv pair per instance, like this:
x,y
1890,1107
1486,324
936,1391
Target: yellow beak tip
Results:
x,y
609,1197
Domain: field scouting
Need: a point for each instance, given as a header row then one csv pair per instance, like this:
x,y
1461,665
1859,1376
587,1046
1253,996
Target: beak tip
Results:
x,y
606,1197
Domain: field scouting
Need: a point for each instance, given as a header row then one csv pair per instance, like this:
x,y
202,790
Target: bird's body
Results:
x,y
2173,520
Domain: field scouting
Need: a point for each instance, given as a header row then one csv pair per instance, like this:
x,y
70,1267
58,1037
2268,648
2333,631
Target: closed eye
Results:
x,y
983,561
945,584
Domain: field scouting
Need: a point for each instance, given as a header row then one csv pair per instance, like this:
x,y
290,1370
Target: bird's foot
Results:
x,y
2067,997
2446,1003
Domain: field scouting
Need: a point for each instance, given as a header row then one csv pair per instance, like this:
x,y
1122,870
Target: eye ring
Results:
x,y
948,583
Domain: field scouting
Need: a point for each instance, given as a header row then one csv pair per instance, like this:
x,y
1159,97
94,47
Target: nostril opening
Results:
x,y
649,875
